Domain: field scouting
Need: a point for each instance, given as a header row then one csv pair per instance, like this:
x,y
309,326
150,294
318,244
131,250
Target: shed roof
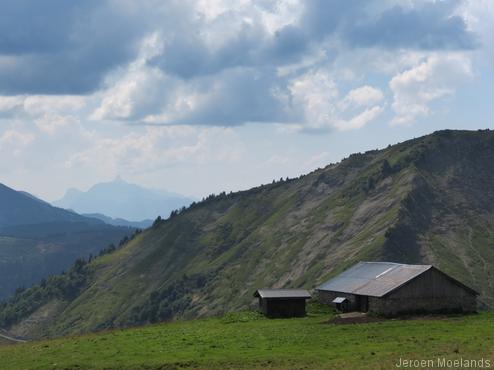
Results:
x,y
339,300
282,293
374,279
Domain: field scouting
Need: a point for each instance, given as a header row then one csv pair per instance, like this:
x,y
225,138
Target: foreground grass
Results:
x,y
248,341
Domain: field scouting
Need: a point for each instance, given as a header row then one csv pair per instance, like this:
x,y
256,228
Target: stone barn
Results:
x,y
282,302
389,289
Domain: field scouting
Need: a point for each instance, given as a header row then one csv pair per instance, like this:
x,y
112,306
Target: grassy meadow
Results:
x,y
246,340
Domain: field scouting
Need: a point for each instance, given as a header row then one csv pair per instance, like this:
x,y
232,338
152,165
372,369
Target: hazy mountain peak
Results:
x,y
121,199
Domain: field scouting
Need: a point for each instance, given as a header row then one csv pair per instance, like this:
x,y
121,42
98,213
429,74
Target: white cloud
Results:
x,y
49,123
14,141
360,120
9,103
138,91
479,17
433,78
40,104
47,112
158,147
317,94
362,96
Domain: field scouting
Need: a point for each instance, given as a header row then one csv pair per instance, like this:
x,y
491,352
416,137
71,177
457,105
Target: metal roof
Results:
x,y
282,293
374,279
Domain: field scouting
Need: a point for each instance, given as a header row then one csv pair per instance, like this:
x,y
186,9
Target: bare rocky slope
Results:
x,y
427,200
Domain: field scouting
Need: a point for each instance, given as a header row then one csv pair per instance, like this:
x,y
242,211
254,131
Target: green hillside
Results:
x,y
38,240
249,341
427,200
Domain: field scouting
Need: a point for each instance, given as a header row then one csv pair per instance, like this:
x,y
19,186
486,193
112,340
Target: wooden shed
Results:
x,y
282,302
390,289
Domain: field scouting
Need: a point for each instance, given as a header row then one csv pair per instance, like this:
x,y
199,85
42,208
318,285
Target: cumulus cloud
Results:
x,y
361,97
151,88
360,120
211,63
139,91
156,148
13,141
238,96
47,112
49,123
322,108
433,78
478,15
315,93
37,104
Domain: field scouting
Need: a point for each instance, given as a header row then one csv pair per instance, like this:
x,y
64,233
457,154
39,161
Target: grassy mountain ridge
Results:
x,y
425,200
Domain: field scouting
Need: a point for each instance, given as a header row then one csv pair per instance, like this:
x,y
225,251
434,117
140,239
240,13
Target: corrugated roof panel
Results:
x,y
373,278
282,293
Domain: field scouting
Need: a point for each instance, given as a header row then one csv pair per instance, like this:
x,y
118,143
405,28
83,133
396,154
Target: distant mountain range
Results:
x,y
120,221
123,202
37,239
428,200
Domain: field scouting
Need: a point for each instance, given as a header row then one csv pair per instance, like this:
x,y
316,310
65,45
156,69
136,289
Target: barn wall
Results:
x,y
284,307
430,292
263,306
328,297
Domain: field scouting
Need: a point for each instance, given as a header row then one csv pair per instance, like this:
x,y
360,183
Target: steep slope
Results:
x,y
425,200
120,199
37,240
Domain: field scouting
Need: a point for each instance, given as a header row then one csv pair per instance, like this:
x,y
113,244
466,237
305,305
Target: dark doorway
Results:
x,y
362,303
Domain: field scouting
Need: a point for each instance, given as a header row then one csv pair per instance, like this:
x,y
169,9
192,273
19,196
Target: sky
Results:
x,y
199,97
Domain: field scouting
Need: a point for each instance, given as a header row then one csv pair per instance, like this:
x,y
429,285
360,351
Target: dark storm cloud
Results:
x,y
358,23
187,56
63,47
239,95
36,26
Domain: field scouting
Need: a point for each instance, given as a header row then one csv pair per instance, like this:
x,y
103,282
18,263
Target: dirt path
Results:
x,y
4,336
